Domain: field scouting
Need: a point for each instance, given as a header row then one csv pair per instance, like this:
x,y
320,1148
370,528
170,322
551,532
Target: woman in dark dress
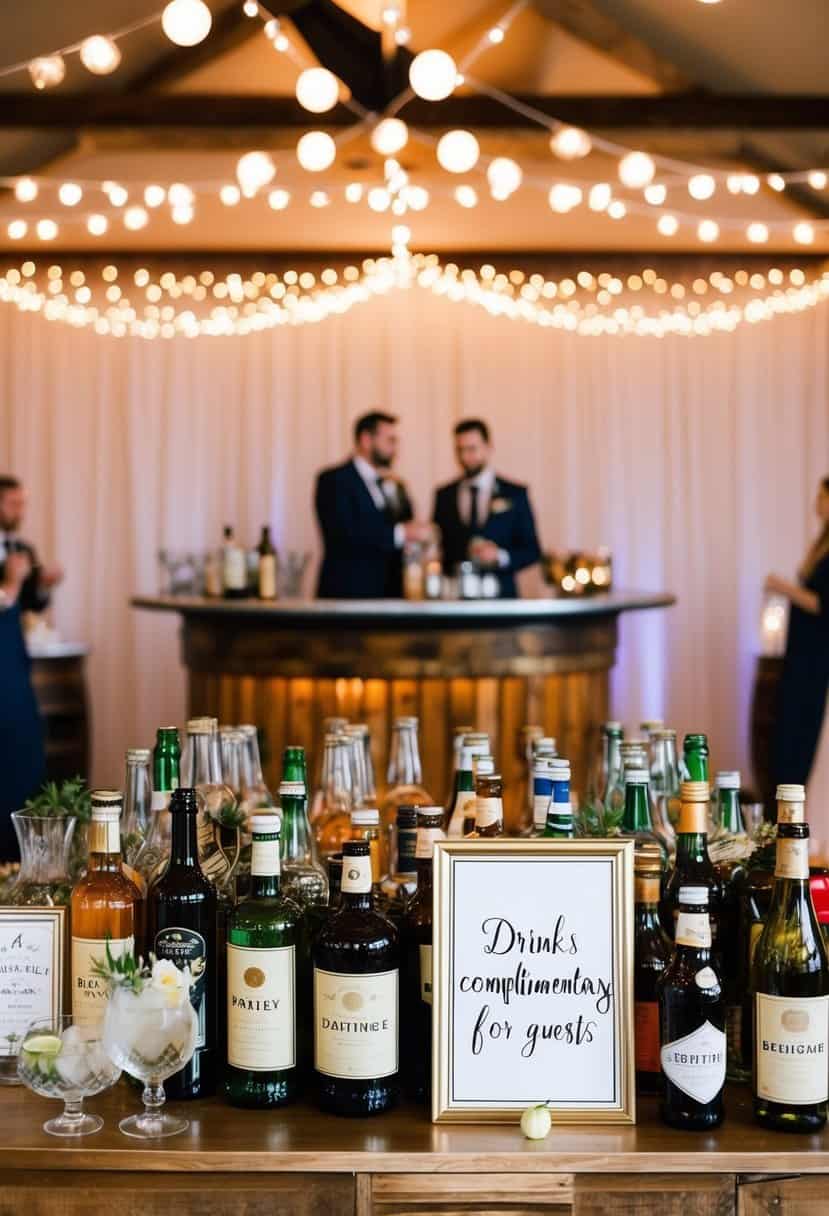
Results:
x,y
805,680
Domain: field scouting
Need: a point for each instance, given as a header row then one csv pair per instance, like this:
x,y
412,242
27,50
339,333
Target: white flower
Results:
x,y
167,979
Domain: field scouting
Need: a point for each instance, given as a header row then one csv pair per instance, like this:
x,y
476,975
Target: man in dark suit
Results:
x,y
483,517
365,516
38,581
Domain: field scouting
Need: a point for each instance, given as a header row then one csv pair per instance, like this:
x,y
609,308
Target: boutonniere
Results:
x,y
499,505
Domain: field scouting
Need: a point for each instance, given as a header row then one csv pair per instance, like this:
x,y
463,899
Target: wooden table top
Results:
x,y
298,1139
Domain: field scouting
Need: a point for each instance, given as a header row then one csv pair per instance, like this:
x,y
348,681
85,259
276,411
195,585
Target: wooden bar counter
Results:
x,y
297,1162
490,664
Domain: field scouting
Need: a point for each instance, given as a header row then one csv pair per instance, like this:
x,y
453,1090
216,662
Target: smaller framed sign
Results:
x,y
31,970
533,980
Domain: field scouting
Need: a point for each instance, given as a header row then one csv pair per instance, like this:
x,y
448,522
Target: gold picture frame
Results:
x,y
26,952
485,1068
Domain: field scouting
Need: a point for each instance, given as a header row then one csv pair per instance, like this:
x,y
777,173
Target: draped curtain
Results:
x,y
694,460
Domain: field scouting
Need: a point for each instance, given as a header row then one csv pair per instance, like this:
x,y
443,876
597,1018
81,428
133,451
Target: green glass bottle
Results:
x,y
154,853
695,757
559,823
637,821
264,958
464,790
294,765
303,878
790,979
693,866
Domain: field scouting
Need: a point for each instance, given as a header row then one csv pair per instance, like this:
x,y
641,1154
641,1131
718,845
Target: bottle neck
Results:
x,y
637,814
336,777
137,798
202,762
692,832
184,849
264,886
696,765
612,758
355,901
424,876
731,818
670,767
104,845
296,833
166,772
404,764
407,850
464,781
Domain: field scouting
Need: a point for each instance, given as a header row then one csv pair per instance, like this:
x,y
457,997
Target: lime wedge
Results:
x,y
43,1045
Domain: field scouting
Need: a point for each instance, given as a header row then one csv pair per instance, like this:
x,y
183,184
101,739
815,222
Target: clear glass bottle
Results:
x,y
332,725
527,737
332,826
458,735
489,807
303,878
404,777
649,729
154,855
255,790
45,842
606,764
201,770
614,787
666,765
135,822
359,777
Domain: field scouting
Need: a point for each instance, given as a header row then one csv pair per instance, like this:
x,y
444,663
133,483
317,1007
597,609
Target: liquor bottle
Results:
x,y
264,965
692,1022
728,850
183,916
102,910
332,725
692,866
365,825
559,822
543,770
201,770
416,938
356,978
651,955
489,807
399,887
527,737
458,734
636,821
483,767
464,793
331,812
608,765
154,854
266,565
404,777
234,567
790,978
135,821
666,765
695,758
303,878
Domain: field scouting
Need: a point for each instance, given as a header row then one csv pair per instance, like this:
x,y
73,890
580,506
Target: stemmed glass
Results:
x,y
60,1058
151,1033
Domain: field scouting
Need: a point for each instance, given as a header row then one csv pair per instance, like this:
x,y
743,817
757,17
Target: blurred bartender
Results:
x,y
482,516
24,587
365,517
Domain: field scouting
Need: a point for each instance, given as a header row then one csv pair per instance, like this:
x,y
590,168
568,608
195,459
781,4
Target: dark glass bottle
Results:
x,y
183,929
264,968
731,874
398,888
695,758
692,1022
559,821
692,865
489,806
356,979
319,914
416,979
651,955
755,899
303,878
790,978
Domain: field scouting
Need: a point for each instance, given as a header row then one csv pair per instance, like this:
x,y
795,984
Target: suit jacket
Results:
x,y
510,525
31,598
360,559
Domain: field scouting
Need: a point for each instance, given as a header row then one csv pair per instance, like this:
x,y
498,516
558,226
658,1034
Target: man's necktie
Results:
x,y
474,521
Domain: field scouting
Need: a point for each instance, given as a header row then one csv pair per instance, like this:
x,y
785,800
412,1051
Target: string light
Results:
x,y
25,190
466,196
230,195
47,71
667,225
458,151
636,170
617,209
182,214
117,195
250,8
378,199
390,136
316,151
708,231
70,194
433,75
180,195
804,233
319,198
97,224
135,218
353,192
817,179
46,230
504,176
99,55
570,143
776,182
600,196
278,199
17,229
254,170
563,197
701,186
317,90
757,233
186,22
154,196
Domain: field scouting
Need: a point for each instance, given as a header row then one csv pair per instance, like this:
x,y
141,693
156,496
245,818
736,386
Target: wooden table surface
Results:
x,y
300,1139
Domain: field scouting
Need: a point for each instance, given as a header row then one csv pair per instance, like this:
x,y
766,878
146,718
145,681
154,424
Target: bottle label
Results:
x,y
693,818
261,1023
426,974
792,859
357,875
406,849
791,812
693,929
235,569
488,811
264,856
464,809
695,1063
790,1048
90,993
540,804
160,800
104,836
647,1036
646,889
426,838
355,1024
186,947
267,576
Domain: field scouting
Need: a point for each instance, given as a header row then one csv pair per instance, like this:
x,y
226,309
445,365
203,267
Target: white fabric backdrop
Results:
x,y
696,461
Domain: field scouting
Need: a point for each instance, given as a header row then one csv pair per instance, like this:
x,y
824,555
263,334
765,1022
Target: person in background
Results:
x,y
24,587
365,517
482,516
805,679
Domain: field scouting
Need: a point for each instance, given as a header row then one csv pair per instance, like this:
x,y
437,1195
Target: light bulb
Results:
x,y
749,183
135,218
416,197
25,190
316,151
599,197
70,194
496,35
46,230
154,196
17,229
271,29
99,55
47,72
466,196
504,176
278,199
353,192
701,186
734,183
253,171
570,143
186,22
180,195
804,233
379,199
229,195
390,14
708,231
563,197
183,214
96,225
433,75
655,194
667,225
281,43
389,136
636,170
757,233
250,8
401,234
117,194
817,179
458,151
317,90
319,198
617,210
776,181
402,35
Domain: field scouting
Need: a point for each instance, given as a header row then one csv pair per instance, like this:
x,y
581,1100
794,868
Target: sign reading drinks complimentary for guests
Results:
x,y
533,980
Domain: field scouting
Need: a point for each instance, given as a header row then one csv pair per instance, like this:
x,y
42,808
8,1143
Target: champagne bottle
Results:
x,y
695,758
692,865
790,979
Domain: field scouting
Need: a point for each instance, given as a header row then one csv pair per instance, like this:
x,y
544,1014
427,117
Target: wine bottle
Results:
x,y
559,822
651,955
356,977
416,937
692,865
695,758
266,573
399,887
729,847
264,955
489,801
790,979
692,1022
183,930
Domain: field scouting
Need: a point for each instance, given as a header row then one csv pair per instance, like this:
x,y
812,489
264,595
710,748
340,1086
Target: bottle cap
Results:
x,y
291,789
460,731
138,755
407,721
106,804
265,825
200,726
791,793
247,728
561,769
166,730
666,733
635,744
612,728
426,816
366,817
544,766
356,848
727,781
694,791
651,725
358,728
693,895
532,732
699,740
636,776
407,816
483,766
544,743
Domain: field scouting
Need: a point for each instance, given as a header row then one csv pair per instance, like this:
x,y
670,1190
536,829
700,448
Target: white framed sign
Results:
x,y
31,969
533,980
